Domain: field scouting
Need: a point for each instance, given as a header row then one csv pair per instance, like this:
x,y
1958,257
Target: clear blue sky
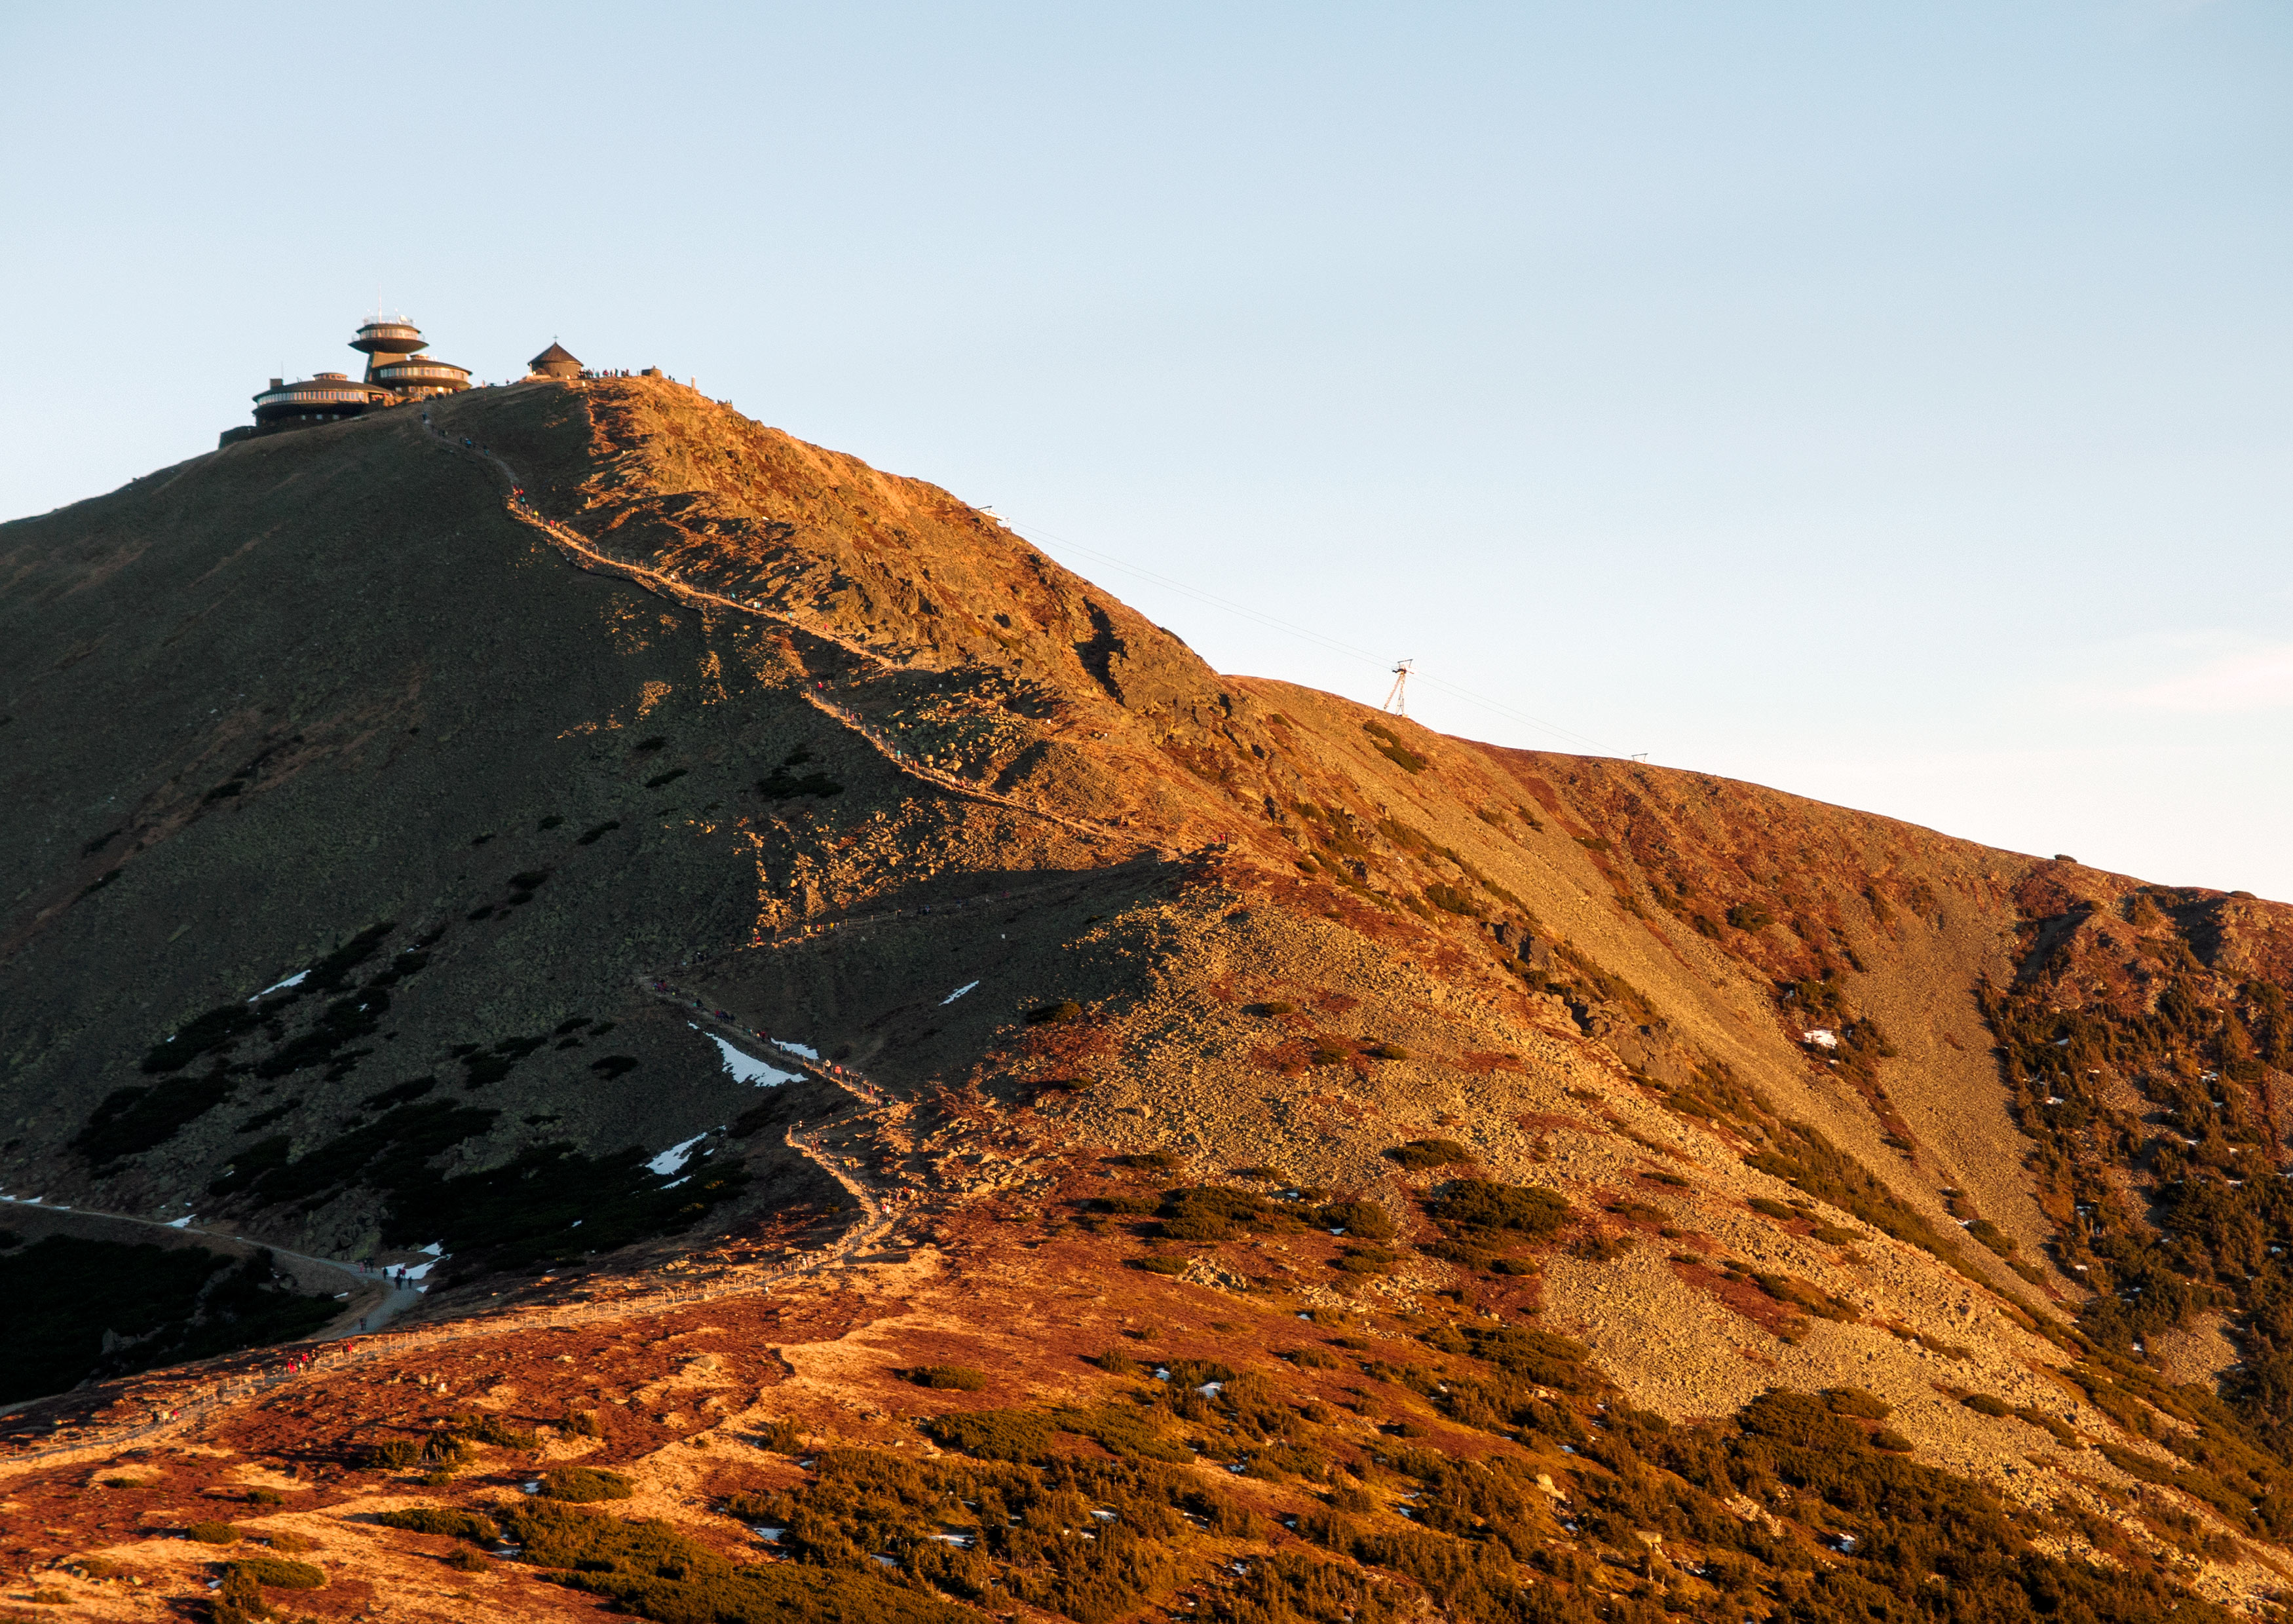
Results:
x,y
1888,403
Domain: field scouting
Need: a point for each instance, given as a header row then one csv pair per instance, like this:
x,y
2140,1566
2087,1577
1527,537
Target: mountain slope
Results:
x,y
437,837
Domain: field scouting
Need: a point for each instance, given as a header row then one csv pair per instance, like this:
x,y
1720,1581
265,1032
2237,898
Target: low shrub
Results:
x,y
1856,1402
1159,1161
1365,1220
780,1437
444,1520
1194,1224
1067,1012
276,1574
1188,1373
448,1449
1387,744
1163,1263
650,1569
1983,1404
1115,1362
1992,1237
1479,1203
213,1533
580,1485
463,1560
1019,1436
494,1430
1599,1248
958,1378
1429,1153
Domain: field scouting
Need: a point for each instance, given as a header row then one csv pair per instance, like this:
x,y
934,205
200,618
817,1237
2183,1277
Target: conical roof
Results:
x,y
556,353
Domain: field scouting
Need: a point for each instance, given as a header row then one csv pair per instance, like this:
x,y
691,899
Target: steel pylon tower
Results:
x,y
1396,700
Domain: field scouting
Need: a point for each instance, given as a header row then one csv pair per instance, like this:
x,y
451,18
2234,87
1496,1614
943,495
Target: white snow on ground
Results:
x,y
421,1269
436,1248
748,1068
295,980
184,1221
798,1048
958,992
671,1160
1821,1037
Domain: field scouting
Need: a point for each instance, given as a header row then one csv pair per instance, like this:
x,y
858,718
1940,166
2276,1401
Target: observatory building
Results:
x,y
396,372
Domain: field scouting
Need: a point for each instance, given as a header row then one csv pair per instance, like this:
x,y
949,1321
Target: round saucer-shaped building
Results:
x,y
418,376
327,398
394,360
379,338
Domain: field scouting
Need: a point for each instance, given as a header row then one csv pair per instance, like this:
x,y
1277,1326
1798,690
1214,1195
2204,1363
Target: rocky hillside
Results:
x,y
867,1039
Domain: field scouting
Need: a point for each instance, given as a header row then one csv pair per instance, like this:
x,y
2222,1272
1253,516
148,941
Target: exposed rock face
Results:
x,y
640,853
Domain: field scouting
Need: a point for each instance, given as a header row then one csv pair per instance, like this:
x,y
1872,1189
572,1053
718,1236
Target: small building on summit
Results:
x,y
396,372
555,362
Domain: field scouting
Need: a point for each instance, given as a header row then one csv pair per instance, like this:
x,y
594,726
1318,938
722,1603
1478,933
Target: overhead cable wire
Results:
x,y
1033,532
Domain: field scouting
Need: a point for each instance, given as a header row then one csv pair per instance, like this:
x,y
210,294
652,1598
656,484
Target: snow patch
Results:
x,y
295,980
748,1068
958,992
798,1048
671,1160
184,1221
1821,1037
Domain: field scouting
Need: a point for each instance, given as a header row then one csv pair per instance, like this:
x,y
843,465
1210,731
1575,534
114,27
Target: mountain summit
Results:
x,y
898,1092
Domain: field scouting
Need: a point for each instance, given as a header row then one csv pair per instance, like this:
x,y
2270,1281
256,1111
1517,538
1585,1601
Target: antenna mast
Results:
x,y
1396,701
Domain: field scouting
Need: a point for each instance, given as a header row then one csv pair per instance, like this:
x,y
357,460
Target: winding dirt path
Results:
x,y
514,502
396,1299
